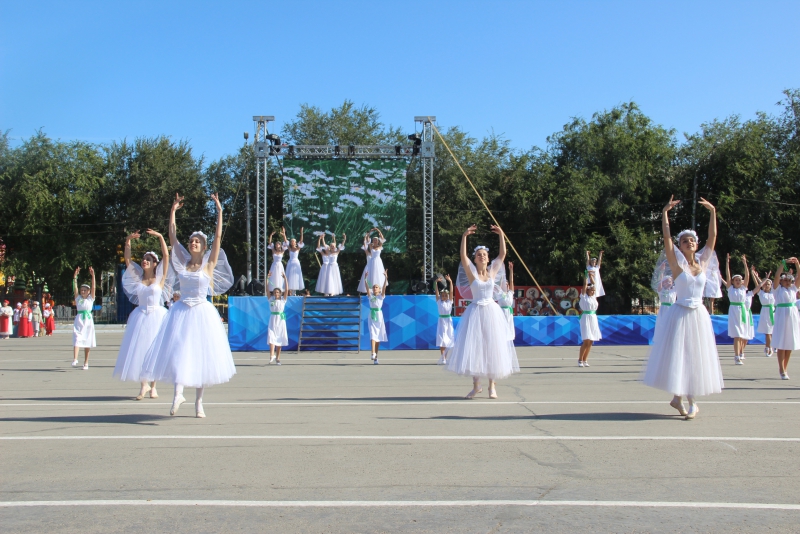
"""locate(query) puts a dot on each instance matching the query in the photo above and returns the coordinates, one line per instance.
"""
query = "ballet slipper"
(492, 392)
(692, 413)
(176, 404)
(474, 392)
(153, 393)
(199, 413)
(678, 405)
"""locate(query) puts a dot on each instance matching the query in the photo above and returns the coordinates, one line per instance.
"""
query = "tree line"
(597, 184)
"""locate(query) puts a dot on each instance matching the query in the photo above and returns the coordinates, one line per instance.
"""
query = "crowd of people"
(26, 319)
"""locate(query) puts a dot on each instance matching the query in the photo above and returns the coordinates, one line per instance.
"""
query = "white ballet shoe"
(444, 361)
(474, 392)
(678, 405)
(693, 411)
(492, 392)
(198, 409)
(74, 363)
(580, 363)
(153, 393)
(142, 393)
(373, 357)
(375, 362)
(737, 360)
(784, 376)
(176, 404)
(586, 364)
(271, 359)
(85, 366)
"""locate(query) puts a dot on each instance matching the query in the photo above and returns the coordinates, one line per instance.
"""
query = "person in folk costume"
(738, 315)
(590, 326)
(49, 319)
(83, 336)
(333, 276)
(25, 328)
(294, 271)
(146, 287)
(593, 266)
(372, 248)
(15, 320)
(786, 332)
(377, 328)
(276, 271)
(6, 315)
(191, 347)
(766, 320)
(322, 277)
(505, 299)
(277, 335)
(482, 346)
(36, 318)
(445, 335)
(685, 361)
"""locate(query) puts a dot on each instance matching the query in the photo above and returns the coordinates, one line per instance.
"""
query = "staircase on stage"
(330, 324)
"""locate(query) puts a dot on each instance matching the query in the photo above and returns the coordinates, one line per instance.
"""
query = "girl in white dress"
(277, 336)
(191, 348)
(83, 328)
(372, 248)
(482, 347)
(146, 288)
(322, 278)
(377, 328)
(738, 316)
(786, 332)
(593, 266)
(444, 326)
(294, 272)
(766, 319)
(506, 301)
(590, 327)
(333, 277)
(684, 361)
(276, 271)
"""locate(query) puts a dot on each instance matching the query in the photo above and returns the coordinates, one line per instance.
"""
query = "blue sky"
(104, 71)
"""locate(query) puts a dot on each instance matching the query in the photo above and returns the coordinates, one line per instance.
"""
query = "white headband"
(687, 232)
(737, 276)
(152, 254)
(787, 276)
(87, 286)
(200, 234)
(480, 247)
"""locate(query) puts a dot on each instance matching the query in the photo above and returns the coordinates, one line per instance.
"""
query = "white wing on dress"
(131, 279)
(223, 274)
(708, 259)
(166, 291)
(496, 270)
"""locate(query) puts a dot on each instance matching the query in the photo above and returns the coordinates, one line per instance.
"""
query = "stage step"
(330, 324)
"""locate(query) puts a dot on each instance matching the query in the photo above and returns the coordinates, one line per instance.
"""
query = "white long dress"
(737, 314)
(377, 328)
(685, 361)
(83, 326)
(276, 333)
(294, 272)
(276, 271)
(598, 282)
(482, 347)
(444, 326)
(322, 278)
(374, 268)
(506, 303)
(333, 277)
(786, 332)
(191, 347)
(590, 326)
(144, 322)
(766, 319)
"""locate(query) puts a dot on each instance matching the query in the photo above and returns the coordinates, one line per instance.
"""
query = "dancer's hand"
(77, 270)
(496, 229)
(671, 204)
(511, 266)
(215, 198)
(794, 260)
(471, 230)
(91, 270)
(177, 203)
(447, 277)
(728, 256)
(133, 235)
(708, 205)
(153, 232)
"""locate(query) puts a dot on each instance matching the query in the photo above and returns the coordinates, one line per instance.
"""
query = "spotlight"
(291, 151)
(246, 136)
(417, 138)
(273, 138)
(397, 149)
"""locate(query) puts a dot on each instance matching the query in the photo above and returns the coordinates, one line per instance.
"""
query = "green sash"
(444, 316)
(590, 312)
(744, 311)
(86, 314)
(509, 308)
(373, 313)
(666, 304)
(281, 314)
(771, 312)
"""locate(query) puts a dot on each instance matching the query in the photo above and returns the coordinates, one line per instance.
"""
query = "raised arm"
(511, 276)
(588, 258)
(499, 231)
(285, 292)
(366, 283)
(215, 246)
(385, 281)
(585, 283)
(91, 272)
(271, 245)
(173, 229)
(756, 280)
(450, 283)
(436, 289)
(301, 236)
(712, 224)
(727, 278)
(669, 249)
(75, 291)
(466, 263)
(600, 259)
(344, 240)
(134, 235)
(746, 273)
(164, 256)
(380, 234)
(778, 273)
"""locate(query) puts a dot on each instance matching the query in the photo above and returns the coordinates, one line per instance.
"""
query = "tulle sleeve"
(382, 240)
(663, 270)
(166, 292)
(285, 245)
(462, 282)
(223, 274)
(131, 279)
(340, 247)
(497, 271)
(300, 245)
(271, 246)
(710, 263)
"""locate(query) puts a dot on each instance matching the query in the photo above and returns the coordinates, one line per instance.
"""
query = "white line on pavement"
(404, 438)
(374, 403)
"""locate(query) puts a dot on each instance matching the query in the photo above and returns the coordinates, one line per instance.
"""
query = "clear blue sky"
(103, 71)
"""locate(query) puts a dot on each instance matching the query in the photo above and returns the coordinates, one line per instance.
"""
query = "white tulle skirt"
(786, 332)
(276, 273)
(765, 326)
(322, 279)
(140, 332)
(683, 359)
(590, 327)
(294, 275)
(482, 347)
(445, 336)
(375, 269)
(191, 348)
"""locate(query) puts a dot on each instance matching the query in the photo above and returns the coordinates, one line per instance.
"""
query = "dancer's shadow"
(125, 419)
(594, 416)
(106, 398)
(367, 399)
(54, 370)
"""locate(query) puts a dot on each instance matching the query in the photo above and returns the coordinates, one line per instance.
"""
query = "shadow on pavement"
(595, 416)
(126, 419)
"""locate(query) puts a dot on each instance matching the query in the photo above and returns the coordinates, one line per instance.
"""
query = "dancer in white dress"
(505, 299)
(738, 314)
(685, 361)
(322, 278)
(191, 348)
(590, 327)
(146, 288)
(593, 266)
(333, 276)
(377, 328)
(444, 326)
(83, 327)
(294, 271)
(372, 248)
(277, 335)
(786, 332)
(766, 319)
(276, 270)
(482, 347)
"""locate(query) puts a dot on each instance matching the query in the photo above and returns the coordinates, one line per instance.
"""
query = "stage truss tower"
(427, 155)
(261, 146)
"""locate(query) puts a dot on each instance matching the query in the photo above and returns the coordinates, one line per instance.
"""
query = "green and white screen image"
(346, 197)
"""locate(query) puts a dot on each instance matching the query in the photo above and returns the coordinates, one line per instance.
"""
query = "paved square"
(331, 443)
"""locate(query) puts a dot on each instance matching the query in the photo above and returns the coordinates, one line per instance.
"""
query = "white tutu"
(375, 269)
(83, 326)
(598, 282)
(445, 336)
(276, 332)
(294, 272)
(377, 328)
(334, 277)
(766, 319)
(786, 332)
(140, 332)
(737, 315)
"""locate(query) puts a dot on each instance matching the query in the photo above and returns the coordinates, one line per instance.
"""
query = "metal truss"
(342, 152)
(427, 155)
(262, 181)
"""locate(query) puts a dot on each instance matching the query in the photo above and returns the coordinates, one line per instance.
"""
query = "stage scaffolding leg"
(262, 180)
(427, 156)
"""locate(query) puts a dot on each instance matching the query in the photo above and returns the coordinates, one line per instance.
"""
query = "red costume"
(5, 319)
(49, 320)
(25, 328)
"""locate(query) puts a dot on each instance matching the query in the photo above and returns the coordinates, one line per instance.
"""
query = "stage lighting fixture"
(397, 149)
(273, 138)
(337, 151)
(246, 136)
(417, 138)
(291, 151)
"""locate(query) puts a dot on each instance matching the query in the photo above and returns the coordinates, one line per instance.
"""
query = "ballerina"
(322, 278)
(333, 276)
(444, 326)
(83, 336)
(191, 347)
(786, 332)
(738, 325)
(294, 271)
(276, 271)
(766, 320)
(372, 248)
(593, 266)
(685, 362)
(277, 336)
(377, 328)
(482, 347)
(145, 287)
(506, 301)
(590, 327)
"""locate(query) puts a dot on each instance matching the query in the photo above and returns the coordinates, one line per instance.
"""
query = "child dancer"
(6, 313)
(444, 326)
(373, 251)
(590, 327)
(191, 348)
(322, 278)
(766, 320)
(506, 302)
(786, 332)
(146, 288)
(685, 360)
(277, 335)
(738, 326)
(482, 347)
(294, 272)
(83, 327)
(333, 280)
(377, 329)
(276, 271)
(593, 266)
(49, 320)
(25, 328)
(15, 320)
